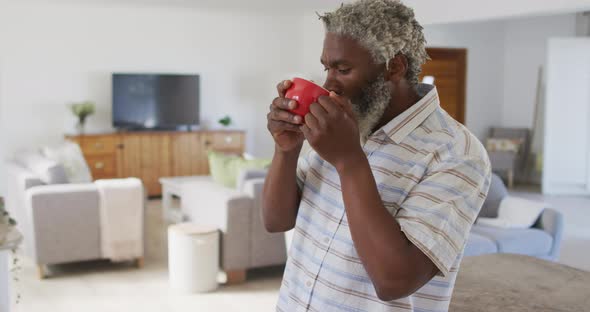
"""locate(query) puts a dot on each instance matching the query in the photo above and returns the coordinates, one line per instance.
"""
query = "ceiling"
(427, 11)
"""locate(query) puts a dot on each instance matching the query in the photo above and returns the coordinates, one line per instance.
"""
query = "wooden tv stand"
(151, 155)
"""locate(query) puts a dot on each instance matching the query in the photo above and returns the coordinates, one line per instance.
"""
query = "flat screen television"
(155, 101)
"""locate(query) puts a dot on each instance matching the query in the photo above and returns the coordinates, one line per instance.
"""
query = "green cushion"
(225, 168)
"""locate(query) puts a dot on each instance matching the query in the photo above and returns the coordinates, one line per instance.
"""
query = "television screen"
(155, 101)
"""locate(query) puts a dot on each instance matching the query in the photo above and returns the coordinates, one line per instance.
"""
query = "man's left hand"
(332, 130)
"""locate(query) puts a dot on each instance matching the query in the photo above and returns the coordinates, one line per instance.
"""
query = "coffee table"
(171, 188)
(507, 282)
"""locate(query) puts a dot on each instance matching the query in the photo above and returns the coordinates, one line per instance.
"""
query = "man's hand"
(282, 124)
(332, 131)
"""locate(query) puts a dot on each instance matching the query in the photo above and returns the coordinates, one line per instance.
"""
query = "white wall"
(485, 46)
(56, 55)
(525, 52)
(2, 128)
(452, 11)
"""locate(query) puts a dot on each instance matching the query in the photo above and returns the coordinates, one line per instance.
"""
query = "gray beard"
(370, 106)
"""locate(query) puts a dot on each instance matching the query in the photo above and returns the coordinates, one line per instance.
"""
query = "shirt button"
(327, 240)
(308, 283)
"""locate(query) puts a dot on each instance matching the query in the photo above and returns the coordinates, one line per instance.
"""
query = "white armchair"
(60, 222)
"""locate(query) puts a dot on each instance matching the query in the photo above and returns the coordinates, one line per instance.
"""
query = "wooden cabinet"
(188, 154)
(99, 152)
(152, 155)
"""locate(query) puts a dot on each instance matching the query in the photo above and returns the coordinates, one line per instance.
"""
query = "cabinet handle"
(207, 143)
(98, 145)
(120, 146)
(99, 165)
(228, 139)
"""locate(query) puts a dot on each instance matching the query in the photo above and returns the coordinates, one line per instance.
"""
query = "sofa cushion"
(70, 156)
(495, 195)
(479, 245)
(47, 170)
(532, 242)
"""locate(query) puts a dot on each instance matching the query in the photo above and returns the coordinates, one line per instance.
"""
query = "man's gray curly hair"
(385, 28)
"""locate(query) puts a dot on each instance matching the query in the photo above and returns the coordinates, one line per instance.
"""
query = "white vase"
(80, 128)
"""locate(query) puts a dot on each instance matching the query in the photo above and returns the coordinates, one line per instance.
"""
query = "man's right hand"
(282, 124)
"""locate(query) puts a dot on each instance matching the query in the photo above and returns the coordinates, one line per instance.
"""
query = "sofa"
(60, 220)
(542, 240)
(245, 243)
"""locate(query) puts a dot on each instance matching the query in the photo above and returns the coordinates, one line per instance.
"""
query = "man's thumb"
(343, 102)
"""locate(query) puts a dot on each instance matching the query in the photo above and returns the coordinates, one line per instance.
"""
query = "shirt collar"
(399, 127)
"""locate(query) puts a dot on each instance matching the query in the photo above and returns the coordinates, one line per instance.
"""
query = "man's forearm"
(280, 194)
(385, 251)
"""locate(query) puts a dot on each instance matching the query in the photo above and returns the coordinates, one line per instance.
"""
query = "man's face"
(351, 72)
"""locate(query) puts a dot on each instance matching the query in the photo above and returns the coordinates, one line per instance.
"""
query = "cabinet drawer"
(225, 141)
(102, 167)
(99, 145)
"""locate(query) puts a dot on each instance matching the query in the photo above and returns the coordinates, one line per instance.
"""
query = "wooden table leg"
(510, 178)
(235, 277)
(41, 271)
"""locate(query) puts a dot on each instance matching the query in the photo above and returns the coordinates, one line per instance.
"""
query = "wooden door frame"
(459, 54)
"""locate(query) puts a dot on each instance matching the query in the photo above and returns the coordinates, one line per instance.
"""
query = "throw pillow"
(225, 168)
(496, 193)
(221, 167)
(514, 212)
(70, 156)
(47, 170)
(503, 145)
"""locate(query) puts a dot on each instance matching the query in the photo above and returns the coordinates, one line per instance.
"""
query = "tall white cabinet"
(566, 163)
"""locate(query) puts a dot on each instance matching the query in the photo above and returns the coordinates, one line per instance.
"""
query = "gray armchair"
(506, 162)
(245, 243)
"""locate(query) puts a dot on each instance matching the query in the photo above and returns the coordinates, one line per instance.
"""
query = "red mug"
(304, 92)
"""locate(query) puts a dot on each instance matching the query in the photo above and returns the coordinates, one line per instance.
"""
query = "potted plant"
(225, 121)
(6, 222)
(10, 238)
(82, 110)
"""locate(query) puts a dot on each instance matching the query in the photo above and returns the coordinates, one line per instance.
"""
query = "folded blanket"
(121, 218)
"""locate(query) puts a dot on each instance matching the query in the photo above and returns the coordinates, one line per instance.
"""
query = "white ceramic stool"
(193, 257)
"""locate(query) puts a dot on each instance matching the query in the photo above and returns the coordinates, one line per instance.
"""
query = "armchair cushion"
(503, 145)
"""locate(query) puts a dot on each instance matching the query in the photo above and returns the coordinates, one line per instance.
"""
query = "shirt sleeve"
(303, 164)
(438, 212)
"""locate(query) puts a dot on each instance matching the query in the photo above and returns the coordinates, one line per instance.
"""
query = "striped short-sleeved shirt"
(432, 175)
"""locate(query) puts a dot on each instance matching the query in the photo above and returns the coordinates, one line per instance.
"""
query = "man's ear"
(397, 67)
